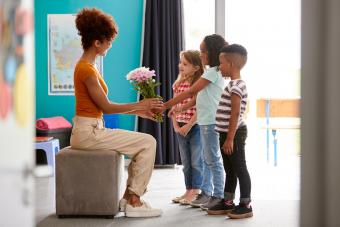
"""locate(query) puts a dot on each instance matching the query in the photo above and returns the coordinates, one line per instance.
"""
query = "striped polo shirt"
(223, 113)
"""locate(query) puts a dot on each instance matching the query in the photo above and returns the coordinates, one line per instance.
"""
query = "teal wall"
(121, 58)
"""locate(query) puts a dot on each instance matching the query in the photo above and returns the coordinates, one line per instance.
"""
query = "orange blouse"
(85, 107)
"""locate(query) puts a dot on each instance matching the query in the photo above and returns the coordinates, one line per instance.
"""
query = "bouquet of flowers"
(142, 81)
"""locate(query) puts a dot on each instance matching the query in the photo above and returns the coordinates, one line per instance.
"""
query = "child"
(208, 89)
(188, 133)
(233, 133)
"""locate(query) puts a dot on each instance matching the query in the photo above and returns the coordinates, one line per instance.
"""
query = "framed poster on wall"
(64, 50)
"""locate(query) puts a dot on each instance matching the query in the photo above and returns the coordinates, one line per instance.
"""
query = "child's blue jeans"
(191, 152)
(213, 171)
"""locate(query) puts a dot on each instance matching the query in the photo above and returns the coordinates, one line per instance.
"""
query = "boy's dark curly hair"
(213, 44)
(235, 49)
(238, 50)
(93, 24)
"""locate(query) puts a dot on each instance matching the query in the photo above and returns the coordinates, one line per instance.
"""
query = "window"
(270, 31)
(199, 21)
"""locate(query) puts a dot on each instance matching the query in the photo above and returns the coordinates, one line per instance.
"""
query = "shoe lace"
(199, 196)
(228, 202)
(146, 204)
(214, 199)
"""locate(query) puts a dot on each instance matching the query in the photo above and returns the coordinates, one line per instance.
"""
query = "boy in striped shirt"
(233, 133)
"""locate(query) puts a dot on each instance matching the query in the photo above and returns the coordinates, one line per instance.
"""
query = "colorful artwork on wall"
(5, 100)
(16, 83)
(22, 94)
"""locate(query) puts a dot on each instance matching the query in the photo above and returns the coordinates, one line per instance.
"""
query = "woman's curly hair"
(93, 24)
(213, 44)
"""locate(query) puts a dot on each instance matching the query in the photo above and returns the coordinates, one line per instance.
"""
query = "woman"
(97, 31)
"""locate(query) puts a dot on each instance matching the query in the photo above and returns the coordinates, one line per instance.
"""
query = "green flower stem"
(147, 90)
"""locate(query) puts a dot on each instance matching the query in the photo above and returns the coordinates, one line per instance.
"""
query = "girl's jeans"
(190, 149)
(213, 171)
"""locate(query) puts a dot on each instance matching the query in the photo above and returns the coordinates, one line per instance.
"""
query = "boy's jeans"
(235, 166)
(191, 152)
(213, 171)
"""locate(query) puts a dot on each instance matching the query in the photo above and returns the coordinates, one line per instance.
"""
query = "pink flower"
(144, 84)
(140, 74)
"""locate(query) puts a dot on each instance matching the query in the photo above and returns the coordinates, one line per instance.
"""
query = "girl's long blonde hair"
(193, 57)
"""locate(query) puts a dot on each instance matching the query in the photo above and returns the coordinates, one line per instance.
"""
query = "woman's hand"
(148, 114)
(151, 103)
(158, 110)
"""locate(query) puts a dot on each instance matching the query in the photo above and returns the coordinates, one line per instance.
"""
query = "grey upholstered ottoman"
(88, 182)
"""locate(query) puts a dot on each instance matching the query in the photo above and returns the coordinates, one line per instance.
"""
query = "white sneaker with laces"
(142, 212)
(122, 205)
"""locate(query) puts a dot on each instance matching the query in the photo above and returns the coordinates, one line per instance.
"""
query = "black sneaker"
(221, 208)
(212, 202)
(241, 211)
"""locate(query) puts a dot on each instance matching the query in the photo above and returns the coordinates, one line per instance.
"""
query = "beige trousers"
(90, 134)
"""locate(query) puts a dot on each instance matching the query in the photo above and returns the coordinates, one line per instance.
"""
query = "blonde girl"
(186, 128)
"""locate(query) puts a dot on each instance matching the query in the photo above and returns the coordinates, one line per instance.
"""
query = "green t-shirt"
(207, 99)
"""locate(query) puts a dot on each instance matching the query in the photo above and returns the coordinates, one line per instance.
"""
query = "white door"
(16, 113)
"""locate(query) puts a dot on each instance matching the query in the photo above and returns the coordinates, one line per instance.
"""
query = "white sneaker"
(141, 212)
(122, 204)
